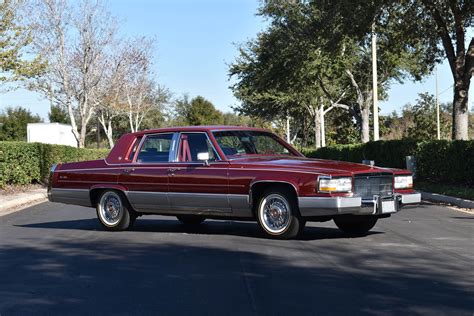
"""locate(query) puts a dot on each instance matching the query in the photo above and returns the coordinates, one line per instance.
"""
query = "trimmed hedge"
(24, 163)
(437, 160)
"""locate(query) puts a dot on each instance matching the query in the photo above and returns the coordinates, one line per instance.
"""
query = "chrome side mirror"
(204, 157)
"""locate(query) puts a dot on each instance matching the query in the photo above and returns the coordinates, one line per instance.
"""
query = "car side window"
(156, 148)
(193, 143)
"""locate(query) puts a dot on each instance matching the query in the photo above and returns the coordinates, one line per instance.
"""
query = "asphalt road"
(55, 259)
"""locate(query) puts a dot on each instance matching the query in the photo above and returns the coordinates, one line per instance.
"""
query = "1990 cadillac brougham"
(224, 172)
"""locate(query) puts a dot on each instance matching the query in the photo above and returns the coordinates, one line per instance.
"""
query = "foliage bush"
(24, 163)
(437, 160)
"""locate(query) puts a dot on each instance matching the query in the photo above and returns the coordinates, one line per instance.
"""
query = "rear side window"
(156, 148)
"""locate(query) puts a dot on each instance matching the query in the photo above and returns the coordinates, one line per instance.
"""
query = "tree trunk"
(365, 123)
(82, 138)
(107, 127)
(98, 133)
(461, 111)
(323, 127)
(110, 134)
(317, 130)
(288, 136)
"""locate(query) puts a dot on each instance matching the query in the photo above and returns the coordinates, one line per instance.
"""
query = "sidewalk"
(15, 202)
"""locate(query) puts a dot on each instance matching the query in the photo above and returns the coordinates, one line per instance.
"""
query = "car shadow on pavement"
(210, 227)
(463, 217)
(110, 274)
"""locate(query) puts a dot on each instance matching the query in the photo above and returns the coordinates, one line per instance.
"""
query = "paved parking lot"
(55, 259)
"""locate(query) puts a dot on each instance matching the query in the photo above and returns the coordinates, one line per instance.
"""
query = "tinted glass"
(156, 148)
(193, 143)
(237, 143)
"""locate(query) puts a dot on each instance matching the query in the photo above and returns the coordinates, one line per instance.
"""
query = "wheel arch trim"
(253, 183)
(102, 187)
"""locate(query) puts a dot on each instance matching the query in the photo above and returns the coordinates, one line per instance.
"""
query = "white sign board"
(51, 133)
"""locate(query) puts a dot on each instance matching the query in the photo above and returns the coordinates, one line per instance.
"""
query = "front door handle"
(128, 170)
(171, 171)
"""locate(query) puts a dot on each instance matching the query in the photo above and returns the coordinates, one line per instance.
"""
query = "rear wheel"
(278, 214)
(355, 225)
(113, 211)
(190, 219)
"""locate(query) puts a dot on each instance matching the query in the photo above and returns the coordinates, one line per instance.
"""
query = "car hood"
(321, 166)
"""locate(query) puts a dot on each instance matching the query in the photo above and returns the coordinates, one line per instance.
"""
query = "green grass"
(460, 191)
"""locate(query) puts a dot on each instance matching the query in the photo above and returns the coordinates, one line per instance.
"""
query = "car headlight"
(335, 184)
(403, 182)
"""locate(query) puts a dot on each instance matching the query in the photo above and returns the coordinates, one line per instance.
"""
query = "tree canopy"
(14, 121)
(14, 40)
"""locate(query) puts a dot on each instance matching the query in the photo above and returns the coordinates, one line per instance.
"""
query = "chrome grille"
(368, 185)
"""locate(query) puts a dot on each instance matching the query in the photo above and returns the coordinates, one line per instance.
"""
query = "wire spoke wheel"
(275, 213)
(111, 210)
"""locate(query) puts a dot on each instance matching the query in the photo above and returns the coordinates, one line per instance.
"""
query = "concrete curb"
(435, 197)
(22, 201)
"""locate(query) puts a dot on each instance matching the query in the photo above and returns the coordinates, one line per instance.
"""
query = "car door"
(196, 186)
(146, 177)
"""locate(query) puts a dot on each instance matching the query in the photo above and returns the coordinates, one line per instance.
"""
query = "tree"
(14, 39)
(198, 111)
(419, 120)
(278, 78)
(13, 123)
(303, 61)
(142, 93)
(76, 41)
(58, 114)
(437, 28)
(451, 19)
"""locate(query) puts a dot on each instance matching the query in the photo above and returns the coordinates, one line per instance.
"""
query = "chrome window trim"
(142, 142)
(275, 137)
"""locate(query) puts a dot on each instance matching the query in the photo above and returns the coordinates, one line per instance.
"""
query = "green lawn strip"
(460, 191)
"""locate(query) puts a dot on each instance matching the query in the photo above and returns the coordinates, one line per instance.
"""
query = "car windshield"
(239, 143)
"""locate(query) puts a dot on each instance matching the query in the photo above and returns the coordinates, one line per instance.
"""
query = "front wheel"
(113, 211)
(278, 214)
(355, 225)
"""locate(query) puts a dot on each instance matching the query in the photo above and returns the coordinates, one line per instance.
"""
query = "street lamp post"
(374, 84)
(438, 129)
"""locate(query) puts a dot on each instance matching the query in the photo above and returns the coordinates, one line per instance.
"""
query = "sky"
(197, 40)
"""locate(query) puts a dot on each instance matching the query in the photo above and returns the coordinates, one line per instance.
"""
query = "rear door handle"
(129, 170)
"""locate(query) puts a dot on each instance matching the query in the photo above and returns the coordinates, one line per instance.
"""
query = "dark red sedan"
(224, 172)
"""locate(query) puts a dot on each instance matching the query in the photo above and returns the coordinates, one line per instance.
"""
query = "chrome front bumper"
(327, 206)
